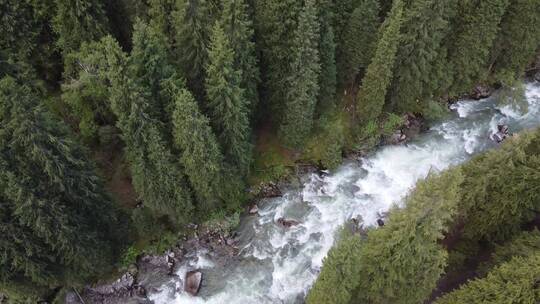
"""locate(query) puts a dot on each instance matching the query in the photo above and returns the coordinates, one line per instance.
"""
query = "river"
(278, 265)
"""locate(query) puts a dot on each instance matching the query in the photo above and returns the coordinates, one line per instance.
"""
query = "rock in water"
(193, 282)
(287, 223)
(253, 209)
(481, 92)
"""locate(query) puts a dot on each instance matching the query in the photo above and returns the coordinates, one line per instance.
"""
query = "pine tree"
(58, 225)
(191, 21)
(238, 27)
(157, 177)
(78, 21)
(415, 78)
(200, 153)
(372, 93)
(359, 40)
(228, 106)
(161, 19)
(514, 282)
(477, 27)
(517, 41)
(303, 82)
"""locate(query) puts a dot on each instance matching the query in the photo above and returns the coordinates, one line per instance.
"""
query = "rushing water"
(278, 265)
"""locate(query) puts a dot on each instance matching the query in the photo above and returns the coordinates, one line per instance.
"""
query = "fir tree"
(191, 21)
(327, 54)
(372, 93)
(477, 27)
(514, 282)
(78, 21)
(517, 41)
(200, 153)
(303, 81)
(415, 78)
(359, 39)
(58, 224)
(238, 27)
(228, 106)
(157, 176)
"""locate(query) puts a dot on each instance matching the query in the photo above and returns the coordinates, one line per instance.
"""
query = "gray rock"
(481, 92)
(192, 283)
(253, 209)
(537, 76)
(287, 223)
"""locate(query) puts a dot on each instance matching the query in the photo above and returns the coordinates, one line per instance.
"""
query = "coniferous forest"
(123, 121)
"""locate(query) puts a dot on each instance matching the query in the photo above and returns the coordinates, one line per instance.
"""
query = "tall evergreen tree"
(372, 93)
(327, 54)
(157, 176)
(514, 282)
(57, 222)
(477, 27)
(238, 27)
(191, 21)
(415, 78)
(227, 103)
(276, 23)
(303, 81)
(359, 39)
(518, 40)
(200, 153)
(78, 21)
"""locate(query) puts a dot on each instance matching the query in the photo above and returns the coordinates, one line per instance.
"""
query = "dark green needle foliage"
(227, 102)
(303, 82)
(58, 225)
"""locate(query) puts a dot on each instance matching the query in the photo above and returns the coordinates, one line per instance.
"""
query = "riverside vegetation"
(123, 121)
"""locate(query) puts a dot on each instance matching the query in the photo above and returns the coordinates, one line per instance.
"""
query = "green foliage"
(156, 174)
(327, 144)
(416, 80)
(303, 81)
(88, 93)
(227, 103)
(191, 22)
(327, 54)
(372, 93)
(78, 21)
(339, 276)
(475, 33)
(238, 27)
(200, 153)
(514, 282)
(359, 40)
(501, 190)
(58, 224)
(518, 39)
(523, 245)
(402, 261)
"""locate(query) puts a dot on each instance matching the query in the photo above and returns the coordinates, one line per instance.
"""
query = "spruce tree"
(327, 54)
(517, 41)
(78, 21)
(192, 22)
(227, 103)
(372, 93)
(58, 225)
(303, 81)
(514, 282)
(238, 27)
(476, 30)
(157, 176)
(415, 78)
(200, 153)
(359, 40)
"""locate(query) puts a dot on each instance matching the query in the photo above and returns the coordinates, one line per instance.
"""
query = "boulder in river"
(193, 281)
(501, 134)
(481, 92)
(537, 76)
(253, 209)
(287, 223)
(397, 138)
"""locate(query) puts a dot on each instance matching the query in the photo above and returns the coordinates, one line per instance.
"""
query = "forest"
(123, 121)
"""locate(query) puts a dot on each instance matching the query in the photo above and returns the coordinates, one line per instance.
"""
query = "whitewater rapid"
(278, 265)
